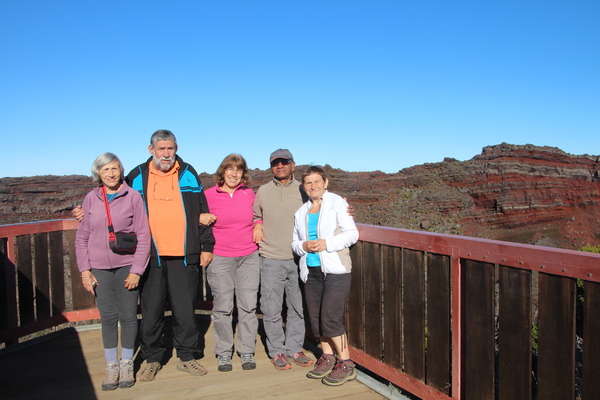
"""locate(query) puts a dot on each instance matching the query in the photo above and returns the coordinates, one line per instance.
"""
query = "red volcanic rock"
(527, 194)
(39, 198)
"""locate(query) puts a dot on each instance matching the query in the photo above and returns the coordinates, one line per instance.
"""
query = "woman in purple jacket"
(235, 268)
(113, 278)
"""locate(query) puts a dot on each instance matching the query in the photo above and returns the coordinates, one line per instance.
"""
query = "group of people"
(248, 242)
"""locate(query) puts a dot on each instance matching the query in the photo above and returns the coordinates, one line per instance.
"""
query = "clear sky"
(359, 85)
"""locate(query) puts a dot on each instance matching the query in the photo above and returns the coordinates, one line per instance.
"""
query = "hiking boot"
(224, 363)
(302, 360)
(112, 376)
(248, 361)
(192, 367)
(324, 365)
(342, 372)
(126, 374)
(149, 371)
(281, 362)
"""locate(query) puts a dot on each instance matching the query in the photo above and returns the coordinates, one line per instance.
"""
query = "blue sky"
(359, 85)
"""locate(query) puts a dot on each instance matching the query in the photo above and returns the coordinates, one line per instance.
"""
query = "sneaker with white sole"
(224, 363)
(248, 361)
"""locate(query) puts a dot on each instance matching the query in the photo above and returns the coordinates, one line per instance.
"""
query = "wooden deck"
(70, 365)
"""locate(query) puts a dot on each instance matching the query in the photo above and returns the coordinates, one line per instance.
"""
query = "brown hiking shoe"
(324, 365)
(149, 371)
(192, 367)
(342, 372)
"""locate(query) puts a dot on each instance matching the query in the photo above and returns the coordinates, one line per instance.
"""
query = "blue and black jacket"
(197, 238)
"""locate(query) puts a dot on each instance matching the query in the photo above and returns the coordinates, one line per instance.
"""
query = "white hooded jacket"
(335, 226)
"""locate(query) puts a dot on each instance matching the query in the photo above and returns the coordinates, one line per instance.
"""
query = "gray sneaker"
(248, 361)
(224, 363)
(302, 360)
(126, 374)
(112, 376)
(281, 362)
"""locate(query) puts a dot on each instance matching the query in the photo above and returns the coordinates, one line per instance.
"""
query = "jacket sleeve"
(349, 233)
(207, 239)
(256, 208)
(82, 238)
(142, 230)
(298, 237)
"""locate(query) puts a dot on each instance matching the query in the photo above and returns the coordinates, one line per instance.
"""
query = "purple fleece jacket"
(128, 215)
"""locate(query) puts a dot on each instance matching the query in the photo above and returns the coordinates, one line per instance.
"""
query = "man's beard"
(163, 167)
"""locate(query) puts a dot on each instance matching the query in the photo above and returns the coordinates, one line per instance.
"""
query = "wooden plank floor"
(71, 366)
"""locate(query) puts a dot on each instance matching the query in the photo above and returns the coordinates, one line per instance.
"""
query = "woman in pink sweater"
(235, 268)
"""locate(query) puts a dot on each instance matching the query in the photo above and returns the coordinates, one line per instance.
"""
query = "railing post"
(456, 267)
(11, 284)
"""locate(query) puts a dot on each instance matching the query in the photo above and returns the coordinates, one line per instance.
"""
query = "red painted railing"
(441, 316)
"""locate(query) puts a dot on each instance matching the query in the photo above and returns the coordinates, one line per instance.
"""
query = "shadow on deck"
(70, 365)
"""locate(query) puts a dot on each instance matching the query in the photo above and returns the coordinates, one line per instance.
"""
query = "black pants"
(180, 283)
(325, 298)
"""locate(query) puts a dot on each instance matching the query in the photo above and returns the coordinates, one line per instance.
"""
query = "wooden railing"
(446, 316)
(40, 286)
(441, 316)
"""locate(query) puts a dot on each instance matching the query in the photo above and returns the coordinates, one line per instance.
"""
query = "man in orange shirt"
(174, 200)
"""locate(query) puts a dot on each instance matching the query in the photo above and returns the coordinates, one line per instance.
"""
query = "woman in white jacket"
(323, 232)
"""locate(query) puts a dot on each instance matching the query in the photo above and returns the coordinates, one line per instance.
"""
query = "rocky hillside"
(526, 194)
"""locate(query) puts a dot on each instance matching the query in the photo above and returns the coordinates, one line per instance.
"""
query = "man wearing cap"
(275, 204)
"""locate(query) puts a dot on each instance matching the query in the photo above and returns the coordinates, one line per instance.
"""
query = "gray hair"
(162, 134)
(100, 162)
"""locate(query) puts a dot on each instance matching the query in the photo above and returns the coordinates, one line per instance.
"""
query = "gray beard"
(161, 167)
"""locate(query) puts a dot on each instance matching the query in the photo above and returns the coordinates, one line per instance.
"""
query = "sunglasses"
(282, 161)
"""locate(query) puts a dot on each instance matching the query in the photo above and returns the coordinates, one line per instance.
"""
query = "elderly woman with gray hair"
(113, 277)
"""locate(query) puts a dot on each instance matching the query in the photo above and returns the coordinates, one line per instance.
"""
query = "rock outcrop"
(527, 194)
(38, 198)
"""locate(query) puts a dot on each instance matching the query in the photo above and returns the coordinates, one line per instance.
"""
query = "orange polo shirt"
(165, 211)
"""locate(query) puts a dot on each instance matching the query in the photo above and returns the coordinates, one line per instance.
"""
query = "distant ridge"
(522, 193)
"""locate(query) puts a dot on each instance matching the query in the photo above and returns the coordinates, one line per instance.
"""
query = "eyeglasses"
(282, 161)
(163, 198)
(232, 170)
